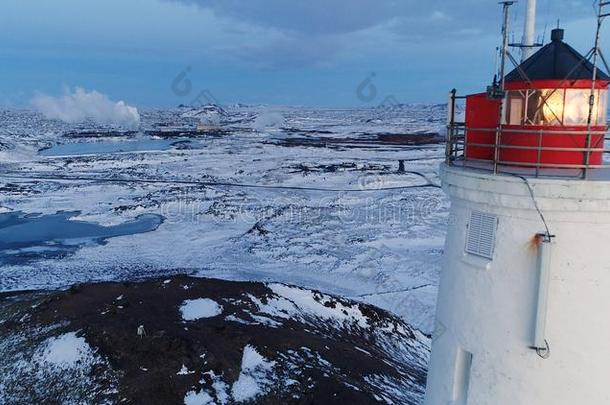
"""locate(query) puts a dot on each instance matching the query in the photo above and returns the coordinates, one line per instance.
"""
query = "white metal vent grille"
(481, 237)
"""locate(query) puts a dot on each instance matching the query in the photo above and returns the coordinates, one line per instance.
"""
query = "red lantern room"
(545, 115)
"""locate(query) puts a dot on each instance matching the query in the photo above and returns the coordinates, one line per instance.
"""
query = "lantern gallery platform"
(599, 174)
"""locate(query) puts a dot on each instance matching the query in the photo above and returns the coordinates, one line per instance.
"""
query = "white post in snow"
(529, 31)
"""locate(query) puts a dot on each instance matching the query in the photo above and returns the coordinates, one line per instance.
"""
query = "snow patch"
(184, 371)
(198, 398)
(66, 350)
(199, 308)
(233, 318)
(252, 380)
(221, 389)
(295, 302)
(45, 363)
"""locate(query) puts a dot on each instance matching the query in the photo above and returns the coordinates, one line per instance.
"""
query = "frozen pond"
(26, 237)
(94, 148)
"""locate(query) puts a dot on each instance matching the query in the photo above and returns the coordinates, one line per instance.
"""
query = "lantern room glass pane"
(514, 108)
(516, 111)
(552, 106)
(577, 107)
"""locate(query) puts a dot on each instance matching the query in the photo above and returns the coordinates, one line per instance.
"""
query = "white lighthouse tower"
(523, 313)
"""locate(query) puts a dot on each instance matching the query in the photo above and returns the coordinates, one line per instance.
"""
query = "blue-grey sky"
(296, 52)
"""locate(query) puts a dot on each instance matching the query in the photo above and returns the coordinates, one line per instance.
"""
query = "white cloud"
(439, 16)
(323, 33)
(81, 105)
(323, 17)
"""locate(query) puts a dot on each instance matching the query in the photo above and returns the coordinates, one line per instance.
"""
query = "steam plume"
(80, 105)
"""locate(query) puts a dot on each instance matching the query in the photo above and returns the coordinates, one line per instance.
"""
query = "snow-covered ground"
(339, 221)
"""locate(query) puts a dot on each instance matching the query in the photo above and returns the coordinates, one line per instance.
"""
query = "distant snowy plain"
(339, 224)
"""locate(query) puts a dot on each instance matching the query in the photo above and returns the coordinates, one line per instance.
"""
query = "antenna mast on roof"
(529, 31)
(528, 42)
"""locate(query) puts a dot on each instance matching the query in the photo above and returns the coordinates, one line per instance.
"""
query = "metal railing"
(456, 151)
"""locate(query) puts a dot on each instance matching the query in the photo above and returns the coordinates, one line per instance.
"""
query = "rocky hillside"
(203, 341)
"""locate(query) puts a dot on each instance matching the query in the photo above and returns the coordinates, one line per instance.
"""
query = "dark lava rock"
(204, 341)
(422, 139)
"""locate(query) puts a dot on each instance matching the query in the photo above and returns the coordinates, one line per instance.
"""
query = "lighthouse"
(523, 309)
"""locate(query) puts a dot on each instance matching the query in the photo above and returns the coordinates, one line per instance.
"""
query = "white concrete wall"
(488, 307)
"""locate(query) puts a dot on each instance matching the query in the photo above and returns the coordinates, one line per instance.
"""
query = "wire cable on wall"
(531, 192)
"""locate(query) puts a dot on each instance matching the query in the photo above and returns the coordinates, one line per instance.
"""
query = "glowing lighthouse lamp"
(545, 113)
(523, 313)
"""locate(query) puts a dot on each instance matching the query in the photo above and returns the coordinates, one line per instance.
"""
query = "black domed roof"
(556, 61)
